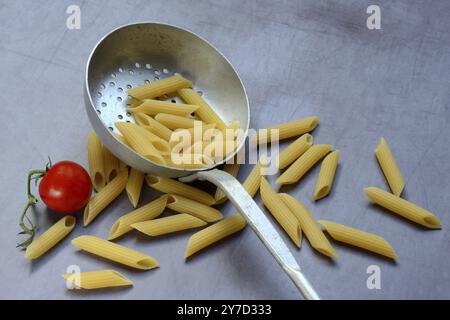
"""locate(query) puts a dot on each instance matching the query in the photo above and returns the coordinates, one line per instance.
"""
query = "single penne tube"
(204, 112)
(115, 252)
(280, 212)
(153, 107)
(112, 165)
(150, 211)
(214, 233)
(303, 164)
(288, 129)
(153, 126)
(294, 150)
(175, 122)
(134, 186)
(402, 207)
(160, 87)
(97, 279)
(233, 169)
(51, 237)
(389, 167)
(359, 238)
(309, 226)
(172, 186)
(170, 224)
(96, 161)
(102, 199)
(253, 180)
(137, 139)
(326, 175)
(197, 209)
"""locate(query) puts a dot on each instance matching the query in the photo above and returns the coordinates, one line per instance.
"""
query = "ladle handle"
(260, 224)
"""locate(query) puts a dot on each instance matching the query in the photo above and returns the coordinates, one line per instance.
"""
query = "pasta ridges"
(359, 238)
(304, 163)
(195, 208)
(280, 212)
(160, 87)
(96, 161)
(389, 167)
(178, 222)
(326, 175)
(289, 129)
(403, 207)
(134, 186)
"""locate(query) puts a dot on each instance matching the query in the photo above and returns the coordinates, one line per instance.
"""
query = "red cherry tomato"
(66, 187)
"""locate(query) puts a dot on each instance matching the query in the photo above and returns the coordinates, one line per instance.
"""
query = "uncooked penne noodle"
(174, 122)
(233, 169)
(359, 238)
(326, 175)
(204, 112)
(172, 186)
(153, 107)
(136, 138)
(289, 129)
(160, 87)
(197, 209)
(253, 181)
(96, 161)
(97, 279)
(134, 186)
(50, 237)
(150, 211)
(294, 150)
(112, 165)
(153, 126)
(170, 224)
(280, 212)
(102, 199)
(115, 252)
(303, 164)
(390, 168)
(308, 225)
(403, 208)
(214, 233)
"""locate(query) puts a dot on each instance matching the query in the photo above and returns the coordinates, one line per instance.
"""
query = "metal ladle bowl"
(140, 53)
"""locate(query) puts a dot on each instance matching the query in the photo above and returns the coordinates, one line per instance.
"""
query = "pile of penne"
(193, 207)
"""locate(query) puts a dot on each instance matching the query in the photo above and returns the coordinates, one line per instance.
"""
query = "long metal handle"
(260, 224)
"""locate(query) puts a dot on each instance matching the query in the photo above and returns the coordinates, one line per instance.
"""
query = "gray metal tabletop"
(296, 58)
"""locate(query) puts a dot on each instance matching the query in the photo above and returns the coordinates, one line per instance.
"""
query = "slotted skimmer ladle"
(135, 54)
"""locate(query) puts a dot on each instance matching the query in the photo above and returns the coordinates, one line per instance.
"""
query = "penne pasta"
(112, 165)
(150, 211)
(96, 161)
(288, 129)
(102, 199)
(233, 169)
(153, 126)
(389, 167)
(172, 186)
(160, 87)
(303, 164)
(97, 279)
(199, 210)
(51, 237)
(175, 122)
(404, 208)
(138, 140)
(178, 222)
(308, 225)
(214, 233)
(252, 183)
(153, 107)
(280, 212)
(115, 252)
(134, 186)
(359, 238)
(294, 150)
(326, 175)
(204, 112)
